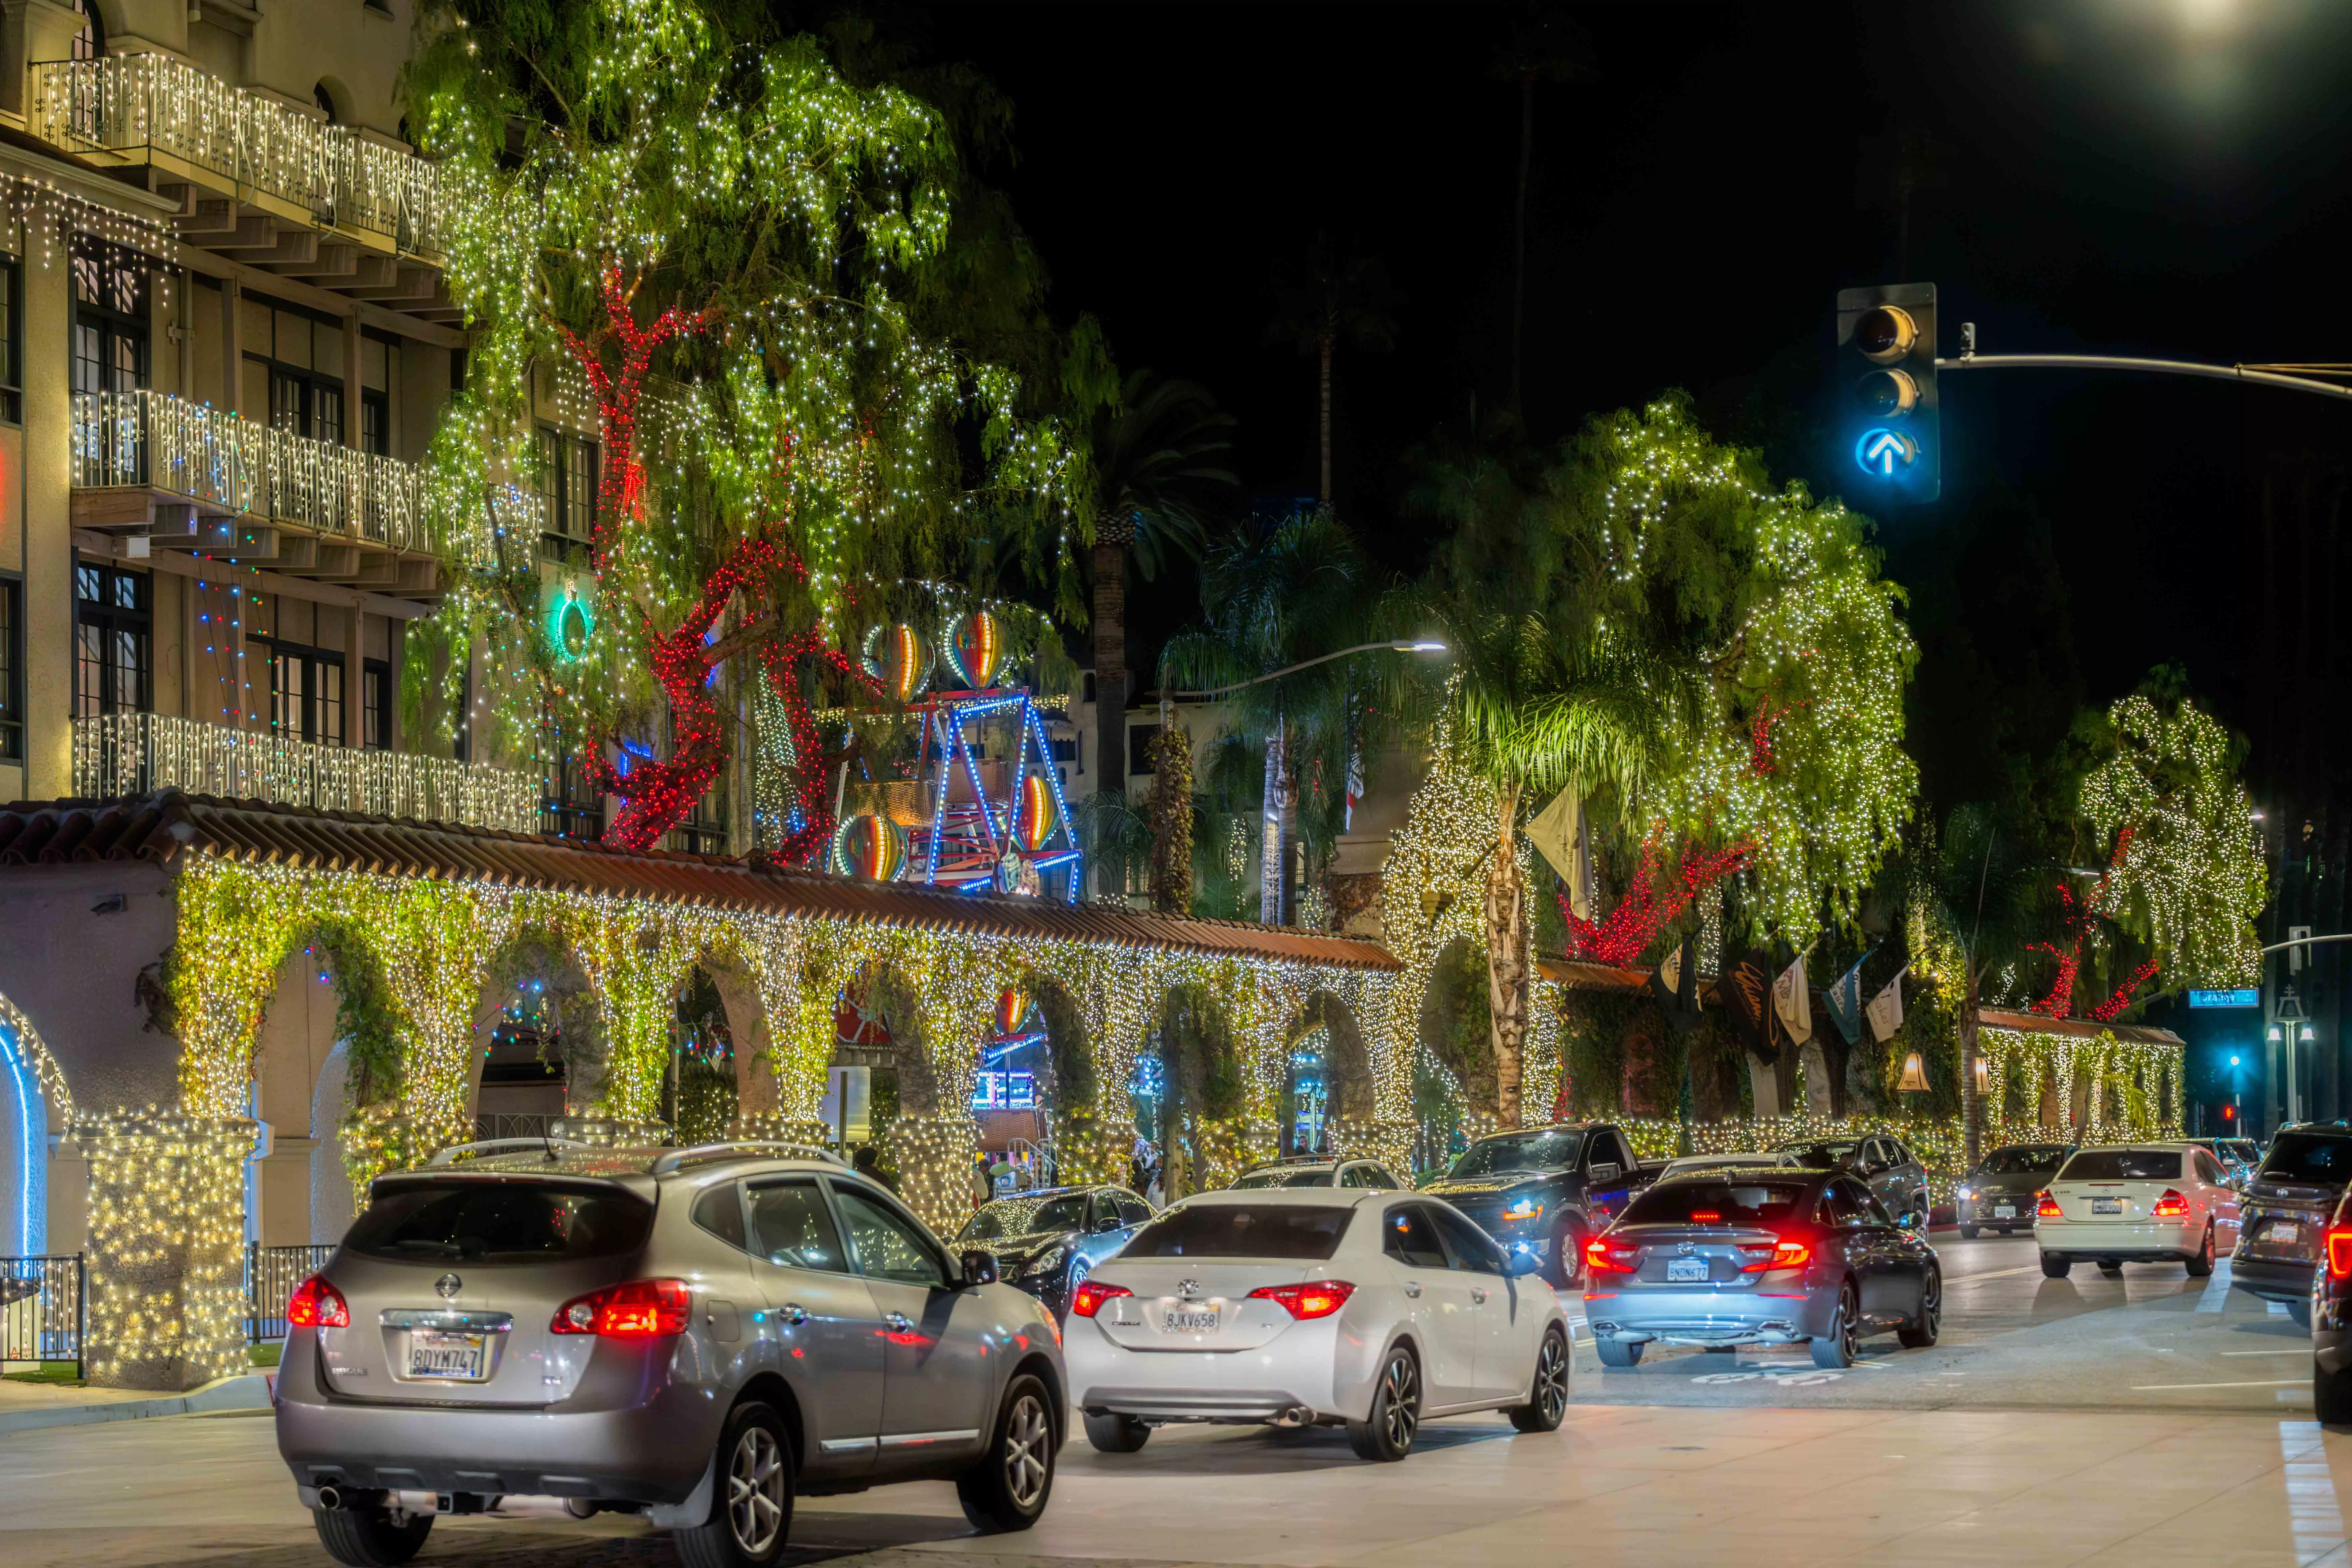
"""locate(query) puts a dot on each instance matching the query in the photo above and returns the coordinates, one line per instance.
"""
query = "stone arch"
(1206, 1068)
(734, 974)
(333, 1203)
(303, 1022)
(33, 1104)
(1455, 1038)
(1092, 1125)
(1349, 1061)
(536, 1005)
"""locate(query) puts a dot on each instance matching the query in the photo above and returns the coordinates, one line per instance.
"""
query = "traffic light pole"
(2251, 375)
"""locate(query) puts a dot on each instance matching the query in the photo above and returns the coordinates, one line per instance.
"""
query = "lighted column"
(166, 1254)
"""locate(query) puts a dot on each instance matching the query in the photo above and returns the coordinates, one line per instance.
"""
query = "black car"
(1048, 1241)
(1546, 1190)
(2285, 1211)
(1999, 1193)
(2331, 1318)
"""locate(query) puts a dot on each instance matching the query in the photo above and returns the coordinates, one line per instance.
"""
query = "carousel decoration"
(898, 660)
(871, 847)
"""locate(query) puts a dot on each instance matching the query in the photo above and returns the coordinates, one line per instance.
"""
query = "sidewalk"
(30, 1406)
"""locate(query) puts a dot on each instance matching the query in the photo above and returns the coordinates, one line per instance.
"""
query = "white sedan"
(1315, 1306)
(2136, 1202)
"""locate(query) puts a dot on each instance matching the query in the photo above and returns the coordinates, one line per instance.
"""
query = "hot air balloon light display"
(975, 649)
(871, 847)
(899, 659)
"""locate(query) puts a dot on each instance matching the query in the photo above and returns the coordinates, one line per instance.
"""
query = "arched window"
(326, 102)
(88, 44)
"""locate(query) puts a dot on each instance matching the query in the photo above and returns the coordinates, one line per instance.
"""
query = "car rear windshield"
(1518, 1152)
(500, 1221)
(1026, 1216)
(1313, 1176)
(2322, 1158)
(2023, 1162)
(1289, 1232)
(2123, 1165)
(1720, 1202)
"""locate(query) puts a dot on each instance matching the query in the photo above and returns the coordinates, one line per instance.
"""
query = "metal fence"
(44, 1307)
(271, 1273)
(154, 104)
(515, 1124)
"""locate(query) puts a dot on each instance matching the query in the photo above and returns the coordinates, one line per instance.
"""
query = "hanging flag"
(1792, 999)
(1558, 833)
(1674, 983)
(1845, 999)
(1746, 990)
(1886, 1008)
(1355, 793)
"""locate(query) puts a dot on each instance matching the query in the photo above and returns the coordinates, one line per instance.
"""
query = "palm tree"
(1321, 302)
(1161, 465)
(1544, 46)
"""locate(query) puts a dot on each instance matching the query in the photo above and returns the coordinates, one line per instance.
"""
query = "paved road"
(2082, 1421)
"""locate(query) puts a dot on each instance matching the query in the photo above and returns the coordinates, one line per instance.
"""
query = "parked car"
(1319, 1171)
(2000, 1193)
(1684, 1164)
(2136, 1202)
(1315, 1306)
(695, 1335)
(2244, 1150)
(2330, 1303)
(2285, 1209)
(1773, 1257)
(1047, 1242)
(1893, 1174)
(1544, 1191)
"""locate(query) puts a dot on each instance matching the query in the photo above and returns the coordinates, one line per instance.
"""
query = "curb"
(250, 1390)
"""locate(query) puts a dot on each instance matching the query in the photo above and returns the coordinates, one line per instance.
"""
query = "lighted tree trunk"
(1506, 958)
(1972, 1102)
(1171, 818)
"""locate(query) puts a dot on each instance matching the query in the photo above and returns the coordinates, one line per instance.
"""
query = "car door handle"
(898, 1320)
(794, 1314)
(1477, 1296)
(1413, 1289)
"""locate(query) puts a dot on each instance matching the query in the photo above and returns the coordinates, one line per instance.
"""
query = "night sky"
(2161, 177)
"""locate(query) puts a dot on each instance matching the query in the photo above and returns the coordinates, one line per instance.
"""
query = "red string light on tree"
(621, 487)
(1648, 904)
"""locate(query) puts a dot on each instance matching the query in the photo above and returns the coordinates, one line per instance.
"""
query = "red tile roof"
(160, 826)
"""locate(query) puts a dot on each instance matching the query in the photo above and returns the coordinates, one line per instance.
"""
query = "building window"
(301, 403)
(306, 689)
(1139, 747)
(110, 330)
(570, 807)
(375, 422)
(11, 374)
(89, 42)
(114, 634)
(12, 672)
(567, 485)
(376, 699)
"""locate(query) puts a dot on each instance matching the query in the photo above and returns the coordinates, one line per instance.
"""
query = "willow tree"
(815, 343)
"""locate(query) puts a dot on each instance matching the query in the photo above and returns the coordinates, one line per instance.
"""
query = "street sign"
(2246, 998)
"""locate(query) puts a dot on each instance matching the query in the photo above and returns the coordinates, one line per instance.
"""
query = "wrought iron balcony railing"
(138, 108)
(134, 753)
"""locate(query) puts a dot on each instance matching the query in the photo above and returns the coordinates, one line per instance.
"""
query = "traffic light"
(1886, 366)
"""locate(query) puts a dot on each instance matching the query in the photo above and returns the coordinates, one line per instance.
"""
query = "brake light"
(2339, 1254)
(1092, 1295)
(1602, 1258)
(316, 1304)
(1316, 1298)
(640, 1310)
(1706, 1217)
(2047, 1208)
(1785, 1255)
(2172, 1206)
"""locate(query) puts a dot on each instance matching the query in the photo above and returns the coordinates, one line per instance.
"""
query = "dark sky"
(2163, 177)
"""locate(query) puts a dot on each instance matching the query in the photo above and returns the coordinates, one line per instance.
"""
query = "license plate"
(1680, 1270)
(2004, 1211)
(2106, 1206)
(461, 1358)
(1189, 1320)
(2283, 1234)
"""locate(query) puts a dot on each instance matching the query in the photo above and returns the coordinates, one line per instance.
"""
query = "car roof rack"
(449, 1156)
(709, 1153)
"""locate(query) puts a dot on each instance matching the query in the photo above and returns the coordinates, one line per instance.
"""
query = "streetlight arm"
(2308, 941)
(2154, 366)
(1294, 669)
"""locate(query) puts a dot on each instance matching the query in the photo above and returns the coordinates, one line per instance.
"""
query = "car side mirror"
(1109, 1222)
(979, 1266)
(1606, 1171)
(1519, 1262)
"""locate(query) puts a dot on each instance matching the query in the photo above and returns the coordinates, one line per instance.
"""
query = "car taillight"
(1602, 1257)
(1092, 1295)
(640, 1310)
(1317, 1298)
(2046, 1207)
(1785, 1255)
(2339, 1254)
(2173, 1205)
(317, 1305)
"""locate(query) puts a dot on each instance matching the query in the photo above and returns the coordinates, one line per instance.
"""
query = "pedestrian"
(868, 1162)
(981, 1186)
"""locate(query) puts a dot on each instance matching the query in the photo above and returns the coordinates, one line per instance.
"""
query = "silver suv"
(694, 1335)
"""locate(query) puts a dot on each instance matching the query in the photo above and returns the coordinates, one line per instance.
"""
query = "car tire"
(1008, 1489)
(1920, 1332)
(1619, 1354)
(1835, 1350)
(2056, 1265)
(750, 1495)
(1386, 1431)
(1546, 1402)
(1112, 1433)
(1566, 1272)
(1968, 1233)
(2331, 1395)
(366, 1537)
(2201, 1262)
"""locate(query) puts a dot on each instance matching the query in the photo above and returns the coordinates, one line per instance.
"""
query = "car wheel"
(1112, 1433)
(1548, 1394)
(1008, 1488)
(1968, 1233)
(2331, 1394)
(367, 1537)
(2201, 1262)
(1921, 1332)
(1566, 1270)
(1837, 1348)
(2055, 1265)
(1620, 1353)
(750, 1497)
(1386, 1435)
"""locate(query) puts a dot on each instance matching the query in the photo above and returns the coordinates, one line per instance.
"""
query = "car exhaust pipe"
(1296, 1415)
(330, 1498)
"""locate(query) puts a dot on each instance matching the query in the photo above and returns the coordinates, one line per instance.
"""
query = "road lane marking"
(2278, 1308)
(2217, 1288)
(2298, 1349)
(2312, 1512)
(1990, 1274)
(2257, 1383)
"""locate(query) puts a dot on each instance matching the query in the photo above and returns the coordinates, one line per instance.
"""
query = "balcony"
(133, 753)
(257, 178)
